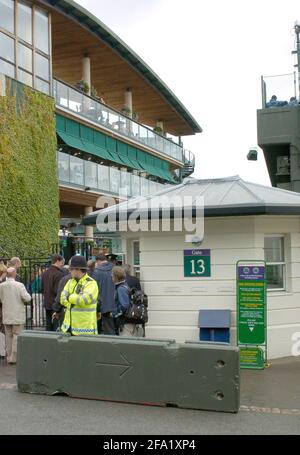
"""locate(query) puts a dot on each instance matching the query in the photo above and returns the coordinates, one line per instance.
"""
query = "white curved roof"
(222, 197)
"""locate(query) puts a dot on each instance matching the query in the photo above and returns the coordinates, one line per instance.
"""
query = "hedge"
(29, 196)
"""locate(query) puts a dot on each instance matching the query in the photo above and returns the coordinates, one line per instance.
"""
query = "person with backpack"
(131, 306)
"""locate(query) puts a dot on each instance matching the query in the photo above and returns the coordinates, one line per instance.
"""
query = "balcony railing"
(89, 108)
(283, 87)
(86, 174)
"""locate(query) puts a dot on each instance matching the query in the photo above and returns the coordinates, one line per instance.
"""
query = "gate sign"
(196, 263)
(251, 295)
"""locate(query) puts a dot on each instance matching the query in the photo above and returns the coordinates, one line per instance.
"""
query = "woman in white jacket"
(13, 296)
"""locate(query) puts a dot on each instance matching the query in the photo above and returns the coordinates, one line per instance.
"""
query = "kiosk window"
(275, 259)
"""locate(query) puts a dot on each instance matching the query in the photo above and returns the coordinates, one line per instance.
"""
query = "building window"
(7, 69)
(32, 57)
(42, 86)
(275, 260)
(25, 77)
(24, 22)
(7, 48)
(25, 58)
(42, 67)
(7, 20)
(41, 28)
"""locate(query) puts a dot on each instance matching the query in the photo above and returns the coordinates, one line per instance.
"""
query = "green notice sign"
(251, 312)
(252, 358)
(251, 289)
(196, 263)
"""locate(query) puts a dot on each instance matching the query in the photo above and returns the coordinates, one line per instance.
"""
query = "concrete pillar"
(160, 124)
(128, 101)
(86, 71)
(89, 230)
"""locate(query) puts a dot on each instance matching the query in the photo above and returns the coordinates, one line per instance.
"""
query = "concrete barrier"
(132, 370)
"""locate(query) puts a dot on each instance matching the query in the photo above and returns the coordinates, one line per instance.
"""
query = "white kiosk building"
(242, 221)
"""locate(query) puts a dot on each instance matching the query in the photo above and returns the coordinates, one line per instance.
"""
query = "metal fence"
(30, 274)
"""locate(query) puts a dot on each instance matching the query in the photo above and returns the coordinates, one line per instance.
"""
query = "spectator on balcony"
(274, 102)
(293, 101)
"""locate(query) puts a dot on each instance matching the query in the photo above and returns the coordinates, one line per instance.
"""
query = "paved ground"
(270, 404)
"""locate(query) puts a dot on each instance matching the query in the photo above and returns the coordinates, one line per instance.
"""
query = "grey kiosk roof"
(229, 196)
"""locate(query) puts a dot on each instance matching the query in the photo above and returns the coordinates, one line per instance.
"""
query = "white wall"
(174, 301)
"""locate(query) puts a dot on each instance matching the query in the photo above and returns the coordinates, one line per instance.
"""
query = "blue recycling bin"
(214, 325)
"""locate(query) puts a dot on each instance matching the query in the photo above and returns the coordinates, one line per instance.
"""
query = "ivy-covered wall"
(29, 197)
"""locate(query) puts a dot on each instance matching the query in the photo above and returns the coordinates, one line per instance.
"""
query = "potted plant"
(158, 130)
(126, 111)
(83, 86)
(94, 92)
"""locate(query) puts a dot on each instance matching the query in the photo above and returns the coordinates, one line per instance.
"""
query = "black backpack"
(137, 312)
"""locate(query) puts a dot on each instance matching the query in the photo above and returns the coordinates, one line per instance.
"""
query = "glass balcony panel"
(135, 185)
(103, 177)
(76, 170)
(143, 137)
(75, 101)
(64, 167)
(61, 94)
(144, 186)
(125, 189)
(7, 47)
(114, 120)
(114, 180)
(160, 143)
(89, 109)
(90, 174)
(134, 132)
(151, 139)
(7, 15)
(24, 22)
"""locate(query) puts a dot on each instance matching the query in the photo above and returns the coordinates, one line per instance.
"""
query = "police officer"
(79, 298)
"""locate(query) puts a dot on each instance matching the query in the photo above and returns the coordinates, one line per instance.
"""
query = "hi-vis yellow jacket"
(80, 300)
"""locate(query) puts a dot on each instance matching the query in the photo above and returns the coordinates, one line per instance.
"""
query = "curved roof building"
(118, 125)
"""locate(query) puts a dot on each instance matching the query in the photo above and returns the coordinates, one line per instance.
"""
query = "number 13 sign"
(196, 263)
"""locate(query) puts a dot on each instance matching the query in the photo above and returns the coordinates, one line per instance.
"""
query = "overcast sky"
(211, 54)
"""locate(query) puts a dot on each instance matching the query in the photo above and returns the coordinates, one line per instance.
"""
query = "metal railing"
(79, 172)
(279, 91)
(89, 108)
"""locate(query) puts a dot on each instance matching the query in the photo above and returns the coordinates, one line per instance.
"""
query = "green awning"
(118, 159)
(72, 141)
(87, 147)
(97, 151)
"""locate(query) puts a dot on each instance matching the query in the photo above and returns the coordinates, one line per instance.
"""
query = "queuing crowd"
(82, 298)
